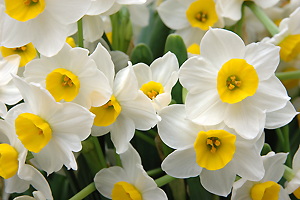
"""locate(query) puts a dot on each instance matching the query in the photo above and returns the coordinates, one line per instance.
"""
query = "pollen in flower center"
(24, 10)
(236, 81)
(152, 89)
(202, 14)
(214, 149)
(67, 81)
(232, 82)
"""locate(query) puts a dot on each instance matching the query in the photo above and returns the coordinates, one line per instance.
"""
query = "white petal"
(163, 67)
(247, 120)
(130, 159)
(271, 95)
(8, 65)
(274, 166)
(205, 108)
(3, 110)
(174, 130)
(232, 9)
(182, 163)
(99, 6)
(293, 184)
(143, 73)
(219, 181)
(130, 1)
(100, 130)
(157, 193)
(242, 192)
(220, 45)
(125, 85)
(122, 131)
(263, 57)
(161, 101)
(139, 15)
(173, 14)
(10, 94)
(280, 117)
(142, 181)
(266, 3)
(93, 28)
(120, 59)
(141, 111)
(105, 179)
(15, 184)
(104, 62)
(296, 161)
(197, 71)
(247, 163)
(76, 9)
(191, 35)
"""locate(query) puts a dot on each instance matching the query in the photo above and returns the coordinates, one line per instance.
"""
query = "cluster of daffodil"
(99, 99)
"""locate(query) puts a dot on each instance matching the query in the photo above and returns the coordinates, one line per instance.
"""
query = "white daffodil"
(190, 18)
(157, 81)
(232, 9)
(129, 182)
(9, 94)
(288, 37)
(18, 175)
(293, 186)
(267, 187)
(216, 153)
(52, 131)
(42, 22)
(236, 84)
(72, 76)
(128, 108)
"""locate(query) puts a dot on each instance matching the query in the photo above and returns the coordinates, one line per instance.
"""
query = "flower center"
(26, 52)
(152, 89)
(32, 131)
(125, 191)
(24, 10)
(62, 84)
(290, 47)
(297, 193)
(202, 14)
(214, 149)
(265, 191)
(9, 163)
(106, 114)
(236, 81)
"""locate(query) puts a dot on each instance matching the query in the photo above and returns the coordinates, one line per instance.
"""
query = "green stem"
(80, 33)
(99, 152)
(265, 20)
(29, 156)
(145, 137)
(152, 132)
(164, 180)
(155, 172)
(288, 173)
(240, 23)
(288, 75)
(72, 180)
(215, 197)
(84, 192)
(280, 137)
(286, 146)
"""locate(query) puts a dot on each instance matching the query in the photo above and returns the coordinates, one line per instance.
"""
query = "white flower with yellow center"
(232, 9)
(130, 182)
(128, 108)
(9, 94)
(216, 153)
(267, 188)
(156, 81)
(42, 22)
(72, 76)
(52, 131)
(18, 175)
(236, 84)
(288, 37)
(190, 18)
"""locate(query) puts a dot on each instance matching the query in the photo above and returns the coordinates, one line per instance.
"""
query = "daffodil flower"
(215, 153)
(52, 131)
(18, 175)
(128, 108)
(71, 76)
(42, 22)
(156, 81)
(236, 84)
(267, 187)
(129, 182)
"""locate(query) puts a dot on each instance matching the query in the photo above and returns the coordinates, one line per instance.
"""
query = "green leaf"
(141, 53)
